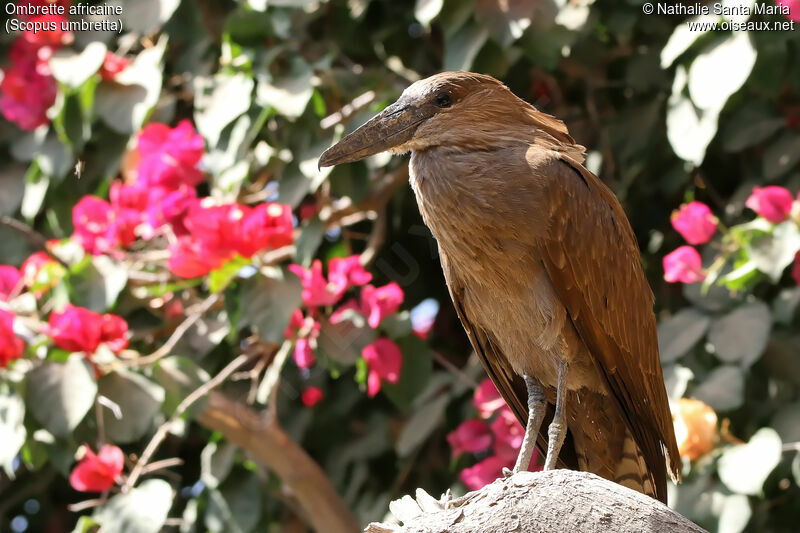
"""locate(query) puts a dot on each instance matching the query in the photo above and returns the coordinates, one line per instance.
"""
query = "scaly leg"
(558, 427)
(537, 405)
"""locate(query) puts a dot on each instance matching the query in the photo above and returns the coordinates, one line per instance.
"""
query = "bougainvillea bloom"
(263, 226)
(772, 202)
(168, 157)
(794, 8)
(28, 89)
(487, 399)
(77, 329)
(187, 260)
(695, 428)
(508, 434)
(311, 395)
(11, 346)
(683, 265)
(10, 281)
(695, 222)
(315, 286)
(113, 65)
(303, 355)
(379, 303)
(346, 272)
(384, 361)
(40, 272)
(484, 472)
(99, 228)
(471, 436)
(97, 473)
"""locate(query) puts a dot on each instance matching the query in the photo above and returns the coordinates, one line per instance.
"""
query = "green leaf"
(785, 304)
(680, 41)
(12, 187)
(689, 129)
(680, 333)
(236, 506)
(461, 49)
(142, 510)
(342, 342)
(221, 277)
(139, 400)
(96, 284)
(781, 156)
(773, 252)
(267, 303)
(427, 10)
(125, 104)
(146, 16)
(741, 335)
(73, 69)
(721, 70)
(310, 238)
(414, 374)
(36, 185)
(753, 123)
(86, 524)
(735, 514)
(12, 428)
(421, 424)
(60, 394)
(506, 21)
(287, 94)
(743, 468)
(229, 97)
(723, 388)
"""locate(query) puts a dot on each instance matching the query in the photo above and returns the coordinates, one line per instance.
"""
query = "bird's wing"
(592, 258)
(509, 384)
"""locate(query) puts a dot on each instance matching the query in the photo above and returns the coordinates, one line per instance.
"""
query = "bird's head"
(451, 108)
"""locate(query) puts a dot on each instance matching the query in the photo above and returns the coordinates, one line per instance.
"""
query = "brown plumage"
(543, 269)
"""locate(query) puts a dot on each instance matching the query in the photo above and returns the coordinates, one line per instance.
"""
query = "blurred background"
(165, 230)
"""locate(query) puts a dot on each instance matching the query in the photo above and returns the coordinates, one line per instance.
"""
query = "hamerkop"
(544, 272)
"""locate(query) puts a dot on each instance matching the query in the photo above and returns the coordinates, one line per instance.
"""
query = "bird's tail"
(631, 471)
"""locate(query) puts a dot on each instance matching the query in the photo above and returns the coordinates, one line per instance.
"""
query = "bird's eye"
(443, 100)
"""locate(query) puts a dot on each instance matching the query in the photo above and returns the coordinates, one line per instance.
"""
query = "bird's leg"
(558, 428)
(537, 404)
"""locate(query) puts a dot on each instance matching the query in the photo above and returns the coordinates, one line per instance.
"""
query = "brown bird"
(544, 272)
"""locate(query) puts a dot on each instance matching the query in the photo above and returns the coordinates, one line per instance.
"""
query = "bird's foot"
(507, 472)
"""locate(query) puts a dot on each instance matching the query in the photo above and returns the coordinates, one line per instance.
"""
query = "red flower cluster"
(217, 233)
(28, 87)
(383, 357)
(11, 346)
(475, 436)
(77, 329)
(97, 472)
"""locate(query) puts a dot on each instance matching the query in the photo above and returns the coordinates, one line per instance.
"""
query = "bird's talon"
(507, 472)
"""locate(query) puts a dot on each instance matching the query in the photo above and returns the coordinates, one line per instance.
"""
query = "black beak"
(390, 128)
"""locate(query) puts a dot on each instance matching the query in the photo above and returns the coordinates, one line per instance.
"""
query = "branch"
(268, 444)
(33, 236)
(538, 502)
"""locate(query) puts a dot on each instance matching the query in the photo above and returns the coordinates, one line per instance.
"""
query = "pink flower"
(346, 272)
(384, 360)
(470, 436)
(341, 311)
(114, 332)
(683, 265)
(484, 472)
(311, 395)
(315, 287)
(99, 228)
(379, 303)
(11, 346)
(10, 281)
(295, 322)
(794, 8)
(77, 329)
(303, 355)
(487, 400)
(695, 222)
(188, 259)
(168, 206)
(28, 89)
(113, 65)
(97, 473)
(772, 202)
(169, 156)
(264, 226)
(214, 227)
(508, 434)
